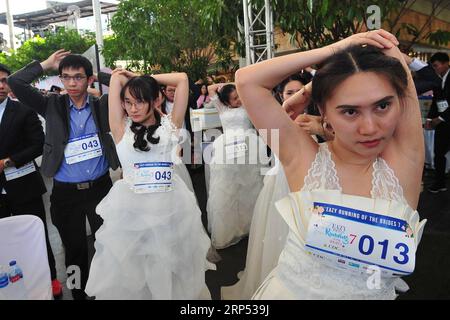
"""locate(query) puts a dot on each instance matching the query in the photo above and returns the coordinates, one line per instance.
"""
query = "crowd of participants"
(348, 134)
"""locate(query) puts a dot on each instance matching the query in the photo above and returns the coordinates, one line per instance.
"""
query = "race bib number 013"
(14, 173)
(355, 240)
(83, 148)
(153, 177)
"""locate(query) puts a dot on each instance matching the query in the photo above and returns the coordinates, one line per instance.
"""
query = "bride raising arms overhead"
(153, 238)
(365, 93)
(369, 111)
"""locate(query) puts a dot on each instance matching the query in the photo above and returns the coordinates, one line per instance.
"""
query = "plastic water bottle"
(15, 273)
(4, 282)
(16, 290)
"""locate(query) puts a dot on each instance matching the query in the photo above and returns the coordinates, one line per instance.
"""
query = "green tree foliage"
(315, 23)
(40, 49)
(164, 35)
(221, 18)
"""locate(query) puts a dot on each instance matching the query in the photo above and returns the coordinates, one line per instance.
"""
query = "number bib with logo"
(236, 149)
(355, 240)
(83, 148)
(153, 177)
(14, 173)
(442, 105)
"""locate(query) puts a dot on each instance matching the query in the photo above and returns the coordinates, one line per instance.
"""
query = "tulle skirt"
(150, 246)
(233, 190)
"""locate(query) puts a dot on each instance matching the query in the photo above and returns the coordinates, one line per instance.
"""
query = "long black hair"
(143, 88)
(225, 92)
(351, 61)
(303, 79)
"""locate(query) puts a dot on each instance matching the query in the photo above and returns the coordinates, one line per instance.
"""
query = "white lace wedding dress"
(298, 274)
(151, 245)
(233, 187)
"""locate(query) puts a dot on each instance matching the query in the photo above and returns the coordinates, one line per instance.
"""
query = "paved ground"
(431, 279)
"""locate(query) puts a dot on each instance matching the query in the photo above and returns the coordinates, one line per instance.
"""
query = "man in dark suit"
(21, 184)
(440, 119)
(425, 77)
(434, 76)
(78, 152)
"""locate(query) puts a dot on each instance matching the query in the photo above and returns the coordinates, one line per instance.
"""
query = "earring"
(324, 122)
(326, 125)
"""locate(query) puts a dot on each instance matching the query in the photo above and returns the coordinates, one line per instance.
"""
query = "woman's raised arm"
(180, 102)
(116, 112)
(255, 84)
(408, 135)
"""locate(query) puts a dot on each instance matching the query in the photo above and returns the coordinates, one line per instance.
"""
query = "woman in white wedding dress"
(353, 227)
(152, 244)
(268, 230)
(235, 175)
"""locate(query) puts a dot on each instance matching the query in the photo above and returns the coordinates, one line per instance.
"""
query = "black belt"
(82, 185)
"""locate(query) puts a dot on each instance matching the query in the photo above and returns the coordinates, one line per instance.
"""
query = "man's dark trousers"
(70, 205)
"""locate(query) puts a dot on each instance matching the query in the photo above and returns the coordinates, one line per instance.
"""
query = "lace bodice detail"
(305, 275)
(164, 151)
(231, 118)
(322, 175)
(385, 184)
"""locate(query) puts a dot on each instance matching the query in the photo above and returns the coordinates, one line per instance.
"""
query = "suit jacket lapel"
(94, 110)
(66, 115)
(447, 85)
(7, 120)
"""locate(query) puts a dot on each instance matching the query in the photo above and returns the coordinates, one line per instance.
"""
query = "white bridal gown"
(151, 245)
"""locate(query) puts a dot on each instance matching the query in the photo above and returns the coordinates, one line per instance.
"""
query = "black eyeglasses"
(138, 104)
(77, 78)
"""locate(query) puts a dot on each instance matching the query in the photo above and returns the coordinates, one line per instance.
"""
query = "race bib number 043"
(83, 148)
(355, 240)
(153, 177)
